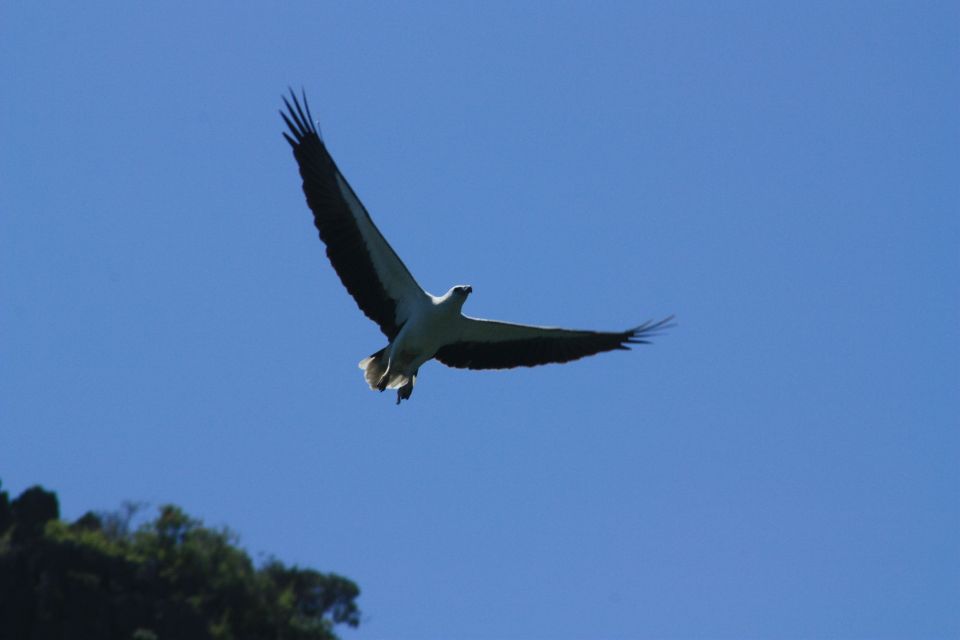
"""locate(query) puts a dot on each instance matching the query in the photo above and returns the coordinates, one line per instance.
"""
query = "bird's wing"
(487, 344)
(368, 267)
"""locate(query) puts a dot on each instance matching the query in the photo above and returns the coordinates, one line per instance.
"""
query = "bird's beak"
(469, 290)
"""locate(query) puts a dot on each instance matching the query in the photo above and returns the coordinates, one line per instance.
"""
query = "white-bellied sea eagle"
(419, 326)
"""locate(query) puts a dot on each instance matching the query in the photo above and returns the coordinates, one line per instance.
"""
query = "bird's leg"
(385, 378)
(404, 392)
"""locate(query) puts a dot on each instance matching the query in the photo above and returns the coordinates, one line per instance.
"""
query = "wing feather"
(488, 344)
(368, 267)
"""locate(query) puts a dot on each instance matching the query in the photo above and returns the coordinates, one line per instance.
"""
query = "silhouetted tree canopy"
(169, 578)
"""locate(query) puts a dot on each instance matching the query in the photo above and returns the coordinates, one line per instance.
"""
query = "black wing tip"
(643, 333)
(298, 117)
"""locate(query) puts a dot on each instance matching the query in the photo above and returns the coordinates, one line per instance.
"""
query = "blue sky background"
(782, 177)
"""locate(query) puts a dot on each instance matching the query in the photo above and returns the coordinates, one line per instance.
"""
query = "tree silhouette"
(172, 577)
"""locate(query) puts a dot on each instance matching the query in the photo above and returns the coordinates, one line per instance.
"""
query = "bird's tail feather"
(376, 371)
(374, 367)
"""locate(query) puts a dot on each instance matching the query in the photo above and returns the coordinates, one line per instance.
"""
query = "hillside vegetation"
(170, 577)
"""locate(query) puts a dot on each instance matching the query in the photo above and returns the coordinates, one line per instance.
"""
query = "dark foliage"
(169, 578)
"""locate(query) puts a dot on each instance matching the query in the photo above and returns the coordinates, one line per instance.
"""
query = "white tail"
(376, 371)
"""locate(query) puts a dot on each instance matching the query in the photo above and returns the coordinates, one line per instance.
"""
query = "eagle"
(419, 326)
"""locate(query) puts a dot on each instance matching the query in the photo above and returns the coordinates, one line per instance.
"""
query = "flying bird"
(419, 326)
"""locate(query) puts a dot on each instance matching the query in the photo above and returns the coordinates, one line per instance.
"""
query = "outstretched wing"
(368, 267)
(487, 344)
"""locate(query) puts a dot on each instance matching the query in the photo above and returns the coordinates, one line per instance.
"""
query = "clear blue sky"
(782, 177)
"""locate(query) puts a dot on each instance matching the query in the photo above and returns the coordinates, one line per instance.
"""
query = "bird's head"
(458, 294)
